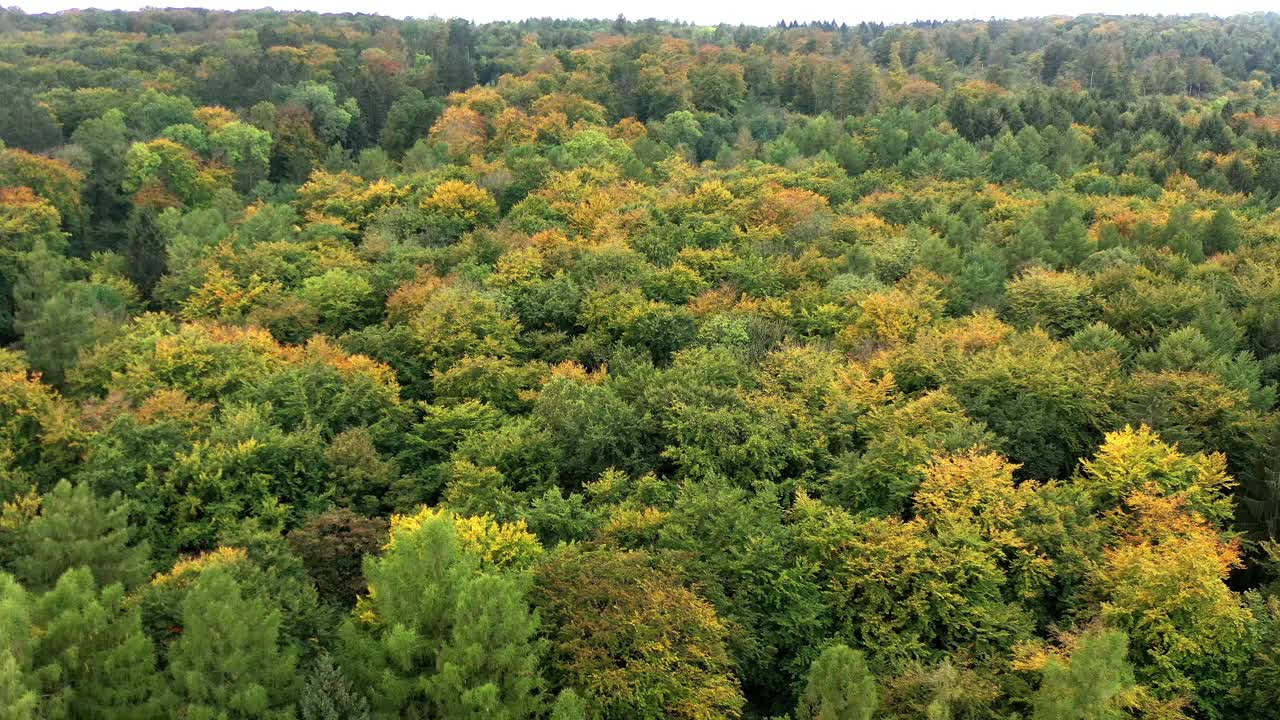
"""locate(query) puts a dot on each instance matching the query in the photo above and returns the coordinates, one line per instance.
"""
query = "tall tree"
(439, 636)
(77, 529)
(228, 663)
(92, 658)
(18, 699)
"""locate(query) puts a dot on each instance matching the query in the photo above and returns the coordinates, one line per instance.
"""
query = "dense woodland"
(358, 368)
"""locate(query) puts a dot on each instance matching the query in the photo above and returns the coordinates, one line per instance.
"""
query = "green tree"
(1089, 685)
(77, 529)
(92, 658)
(408, 120)
(28, 123)
(840, 687)
(18, 699)
(341, 299)
(245, 149)
(328, 695)
(437, 636)
(144, 247)
(488, 667)
(568, 706)
(228, 663)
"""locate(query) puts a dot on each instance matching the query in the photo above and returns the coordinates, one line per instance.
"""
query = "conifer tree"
(92, 658)
(489, 668)
(1083, 688)
(18, 699)
(40, 277)
(328, 695)
(229, 664)
(77, 529)
(840, 687)
(569, 706)
(437, 637)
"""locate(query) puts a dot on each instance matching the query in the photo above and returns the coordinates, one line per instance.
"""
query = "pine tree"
(492, 655)
(228, 664)
(569, 706)
(1221, 234)
(413, 590)
(39, 279)
(92, 657)
(437, 637)
(840, 687)
(144, 248)
(18, 699)
(77, 529)
(1084, 688)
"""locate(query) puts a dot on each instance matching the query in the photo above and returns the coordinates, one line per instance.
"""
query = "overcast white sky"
(700, 11)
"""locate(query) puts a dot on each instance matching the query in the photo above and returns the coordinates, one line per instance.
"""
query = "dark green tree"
(328, 695)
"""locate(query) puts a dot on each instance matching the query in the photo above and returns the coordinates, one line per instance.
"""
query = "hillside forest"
(356, 368)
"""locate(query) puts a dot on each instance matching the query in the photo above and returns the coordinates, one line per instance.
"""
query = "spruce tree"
(92, 658)
(228, 663)
(840, 687)
(328, 695)
(77, 529)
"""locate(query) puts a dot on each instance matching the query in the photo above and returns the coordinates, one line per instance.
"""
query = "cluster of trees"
(361, 368)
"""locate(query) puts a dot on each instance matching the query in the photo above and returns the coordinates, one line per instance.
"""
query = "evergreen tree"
(1085, 687)
(1221, 234)
(77, 529)
(229, 664)
(489, 668)
(144, 247)
(92, 658)
(1056, 235)
(445, 640)
(18, 699)
(840, 687)
(328, 695)
(40, 277)
(569, 706)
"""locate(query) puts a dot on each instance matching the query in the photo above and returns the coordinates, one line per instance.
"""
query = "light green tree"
(1087, 685)
(228, 663)
(92, 659)
(18, 699)
(840, 687)
(439, 638)
(77, 529)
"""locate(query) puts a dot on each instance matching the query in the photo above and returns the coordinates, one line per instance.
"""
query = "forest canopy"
(359, 368)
